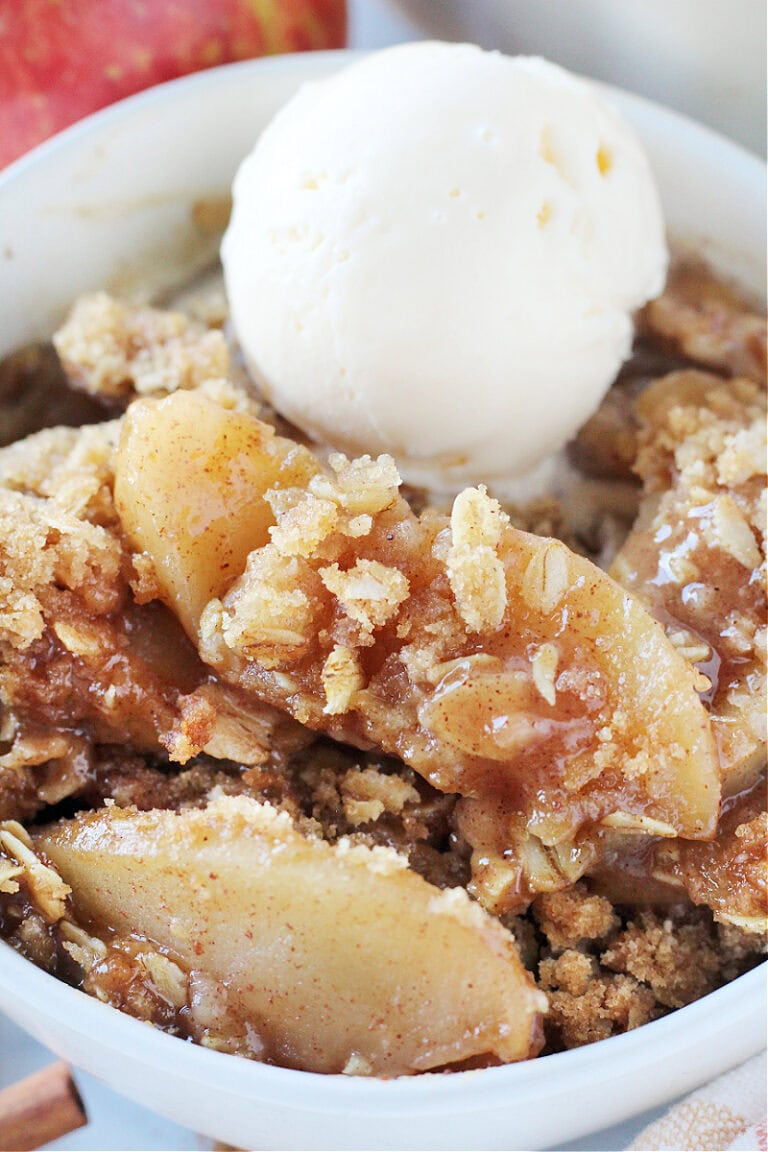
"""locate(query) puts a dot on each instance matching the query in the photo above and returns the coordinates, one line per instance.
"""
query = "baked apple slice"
(190, 490)
(496, 663)
(696, 555)
(340, 955)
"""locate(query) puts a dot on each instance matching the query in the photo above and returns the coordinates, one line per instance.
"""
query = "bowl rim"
(676, 1033)
(635, 1052)
(121, 109)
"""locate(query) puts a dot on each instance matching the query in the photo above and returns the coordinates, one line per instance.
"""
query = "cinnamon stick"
(39, 1109)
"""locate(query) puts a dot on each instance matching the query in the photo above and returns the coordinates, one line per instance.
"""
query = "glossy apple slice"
(492, 661)
(190, 478)
(337, 954)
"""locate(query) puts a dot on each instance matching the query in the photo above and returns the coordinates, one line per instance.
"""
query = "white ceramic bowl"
(111, 201)
(703, 57)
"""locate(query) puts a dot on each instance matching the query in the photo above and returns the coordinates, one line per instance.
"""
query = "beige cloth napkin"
(728, 1115)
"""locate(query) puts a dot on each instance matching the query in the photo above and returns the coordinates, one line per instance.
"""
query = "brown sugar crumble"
(430, 732)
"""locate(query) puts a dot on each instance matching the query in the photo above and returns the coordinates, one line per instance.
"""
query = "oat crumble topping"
(475, 741)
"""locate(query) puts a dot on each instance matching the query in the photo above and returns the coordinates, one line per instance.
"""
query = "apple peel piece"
(340, 954)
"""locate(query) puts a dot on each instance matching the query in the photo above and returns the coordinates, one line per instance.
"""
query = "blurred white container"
(703, 57)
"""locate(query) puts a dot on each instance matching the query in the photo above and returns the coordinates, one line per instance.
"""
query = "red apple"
(61, 59)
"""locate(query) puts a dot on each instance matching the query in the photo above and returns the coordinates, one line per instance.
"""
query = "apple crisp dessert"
(299, 767)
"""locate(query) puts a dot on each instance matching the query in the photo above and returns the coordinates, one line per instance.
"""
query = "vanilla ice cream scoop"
(436, 253)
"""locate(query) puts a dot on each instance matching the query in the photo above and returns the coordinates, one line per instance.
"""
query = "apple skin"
(62, 59)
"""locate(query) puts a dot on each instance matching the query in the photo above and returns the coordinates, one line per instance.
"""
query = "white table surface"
(116, 1124)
